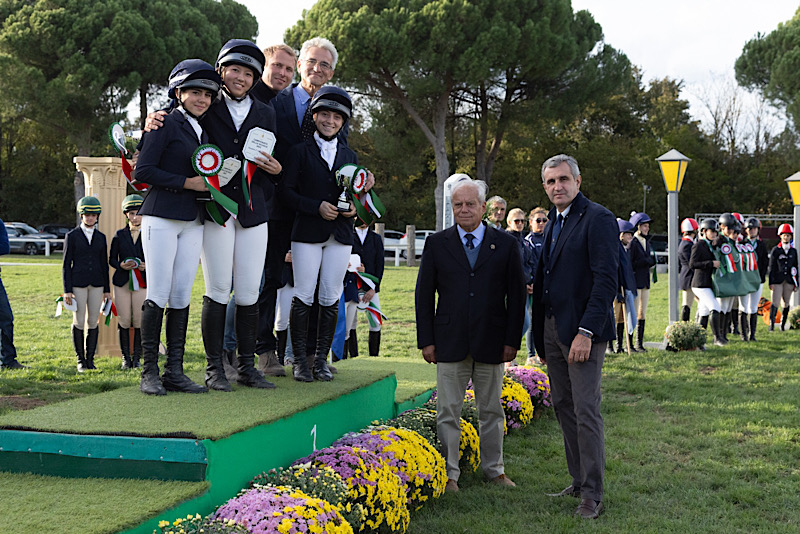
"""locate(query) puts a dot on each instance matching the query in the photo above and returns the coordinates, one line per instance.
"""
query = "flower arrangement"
(516, 403)
(421, 421)
(469, 450)
(417, 463)
(194, 524)
(535, 382)
(372, 483)
(270, 509)
(319, 481)
(793, 320)
(685, 335)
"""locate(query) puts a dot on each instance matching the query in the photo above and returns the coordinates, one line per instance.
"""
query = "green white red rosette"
(108, 309)
(135, 276)
(374, 313)
(60, 303)
(207, 161)
(116, 134)
(368, 206)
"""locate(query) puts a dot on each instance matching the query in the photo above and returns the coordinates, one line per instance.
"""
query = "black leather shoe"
(13, 364)
(569, 491)
(589, 509)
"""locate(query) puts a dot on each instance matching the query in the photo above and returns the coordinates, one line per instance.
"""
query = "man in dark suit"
(573, 291)
(475, 327)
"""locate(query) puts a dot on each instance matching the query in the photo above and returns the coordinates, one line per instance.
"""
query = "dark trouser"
(575, 390)
(8, 353)
(280, 239)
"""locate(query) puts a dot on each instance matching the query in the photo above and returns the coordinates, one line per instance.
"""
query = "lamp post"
(673, 168)
(794, 190)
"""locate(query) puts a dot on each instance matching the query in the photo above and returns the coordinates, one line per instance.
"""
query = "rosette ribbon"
(117, 136)
(248, 170)
(368, 206)
(135, 277)
(108, 309)
(61, 304)
(374, 313)
(207, 161)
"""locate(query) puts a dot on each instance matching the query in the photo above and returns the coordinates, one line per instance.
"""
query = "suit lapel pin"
(491, 246)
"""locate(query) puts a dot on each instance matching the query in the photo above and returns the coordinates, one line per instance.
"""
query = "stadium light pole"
(673, 168)
(794, 190)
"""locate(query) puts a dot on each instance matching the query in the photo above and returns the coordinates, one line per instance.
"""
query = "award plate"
(230, 168)
(355, 263)
(258, 140)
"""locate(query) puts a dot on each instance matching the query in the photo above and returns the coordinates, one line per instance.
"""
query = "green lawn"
(695, 441)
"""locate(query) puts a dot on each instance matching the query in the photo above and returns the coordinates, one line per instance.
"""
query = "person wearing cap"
(689, 228)
(728, 235)
(643, 260)
(753, 228)
(626, 287)
(234, 249)
(127, 259)
(703, 263)
(172, 223)
(85, 275)
(322, 234)
(782, 274)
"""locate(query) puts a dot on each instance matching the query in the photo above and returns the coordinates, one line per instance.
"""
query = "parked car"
(658, 242)
(390, 238)
(21, 244)
(60, 230)
(26, 230)
(419, 241)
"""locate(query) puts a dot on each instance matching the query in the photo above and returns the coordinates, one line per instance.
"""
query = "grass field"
(695, 441)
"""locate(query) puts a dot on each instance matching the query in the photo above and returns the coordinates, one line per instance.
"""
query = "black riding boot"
(91, 346)
(173, 378)
(299, 331)
(685, 312)
(704, 322)
(773, 312)
(137, 348)
(326, 326)
(724, 325)
(640, 336)
(281, 336)
(784, 317)
(374, 343)
(80, 353)
(744, 326)
(352, 344)
(717, 321)
(212, 325)
(753, 324)
(152, 316)
(734, 321)
(246, 326)
(125, 347)
(620, 346)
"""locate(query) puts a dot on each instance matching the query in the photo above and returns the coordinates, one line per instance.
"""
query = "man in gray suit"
(475, 327)
(573, 291)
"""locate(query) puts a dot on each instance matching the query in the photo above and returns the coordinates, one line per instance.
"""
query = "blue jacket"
(641, 259)
(371, 253)
(85, 264)
(122, 248)
(5, 246)
(578, 283)
(526, 255)
(165, 162)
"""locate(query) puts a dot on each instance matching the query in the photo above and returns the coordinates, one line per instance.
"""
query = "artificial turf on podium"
(219, 417)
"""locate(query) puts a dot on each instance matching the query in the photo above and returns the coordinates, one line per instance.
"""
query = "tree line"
(486, 87)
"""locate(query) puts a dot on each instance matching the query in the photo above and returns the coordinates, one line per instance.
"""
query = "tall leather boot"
(137, 348)
(773, 312)
(374, 343)
(724, 325)
(734, 319)
(152, 316)
(281, 336)
(91, 346)
(704, 322)
(299, 331)
(352, 345)
(784, 317)
(173, 378)
(753, 324)
(744, 326)
(212, 325)
(620, 346)
(716, 328)
(125, 347)
(685, 312)
(640, 336)
(246, 326)
(80, 353)
(631, 344)
(326, 326)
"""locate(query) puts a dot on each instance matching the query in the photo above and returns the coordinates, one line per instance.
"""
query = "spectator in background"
(626, 286)
(643, 260)
(369, 247)
(782, 274)
(689, 228)
(496, 211)
(8, 352)
(534, 241)
(516, 228)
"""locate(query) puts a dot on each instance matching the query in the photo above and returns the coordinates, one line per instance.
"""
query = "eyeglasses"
(324, 65)
(540, 220)
(519, 221)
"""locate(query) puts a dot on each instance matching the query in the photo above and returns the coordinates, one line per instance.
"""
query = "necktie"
(556, 232)
(470, 244)
(307, 127)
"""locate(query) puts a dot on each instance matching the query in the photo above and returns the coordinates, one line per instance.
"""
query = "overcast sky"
(689, 40)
